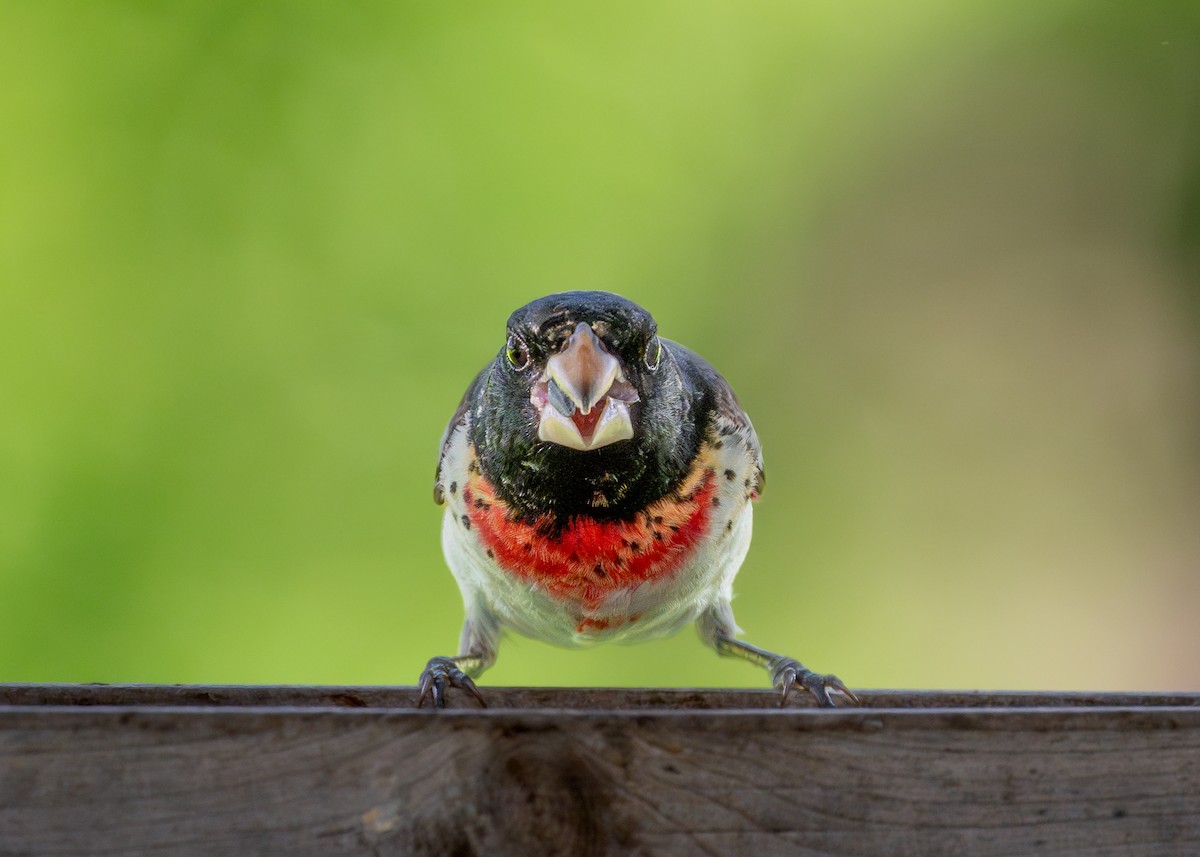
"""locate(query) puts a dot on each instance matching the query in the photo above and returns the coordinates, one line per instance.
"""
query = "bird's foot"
(439, 674)
(786, 673)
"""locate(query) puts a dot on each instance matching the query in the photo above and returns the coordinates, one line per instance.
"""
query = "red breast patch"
(589, 558)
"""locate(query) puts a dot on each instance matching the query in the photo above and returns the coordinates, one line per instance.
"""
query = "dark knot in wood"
(541, 793)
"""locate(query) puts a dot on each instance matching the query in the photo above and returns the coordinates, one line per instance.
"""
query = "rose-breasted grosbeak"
(597, 482)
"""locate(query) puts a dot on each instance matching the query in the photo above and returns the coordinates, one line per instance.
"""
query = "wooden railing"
(96, 769)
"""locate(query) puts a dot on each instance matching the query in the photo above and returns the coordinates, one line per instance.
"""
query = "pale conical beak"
(583, 398)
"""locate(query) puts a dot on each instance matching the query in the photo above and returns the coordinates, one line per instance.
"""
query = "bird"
(598, 483)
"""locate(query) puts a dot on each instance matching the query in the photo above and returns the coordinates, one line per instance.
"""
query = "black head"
(584, 410)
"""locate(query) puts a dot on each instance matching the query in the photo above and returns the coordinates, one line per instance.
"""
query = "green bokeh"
(252, 253)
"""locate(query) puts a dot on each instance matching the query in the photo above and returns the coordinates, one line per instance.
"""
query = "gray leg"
(478, 646)
(717, 628)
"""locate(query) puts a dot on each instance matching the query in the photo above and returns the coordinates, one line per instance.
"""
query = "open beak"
(583, 397)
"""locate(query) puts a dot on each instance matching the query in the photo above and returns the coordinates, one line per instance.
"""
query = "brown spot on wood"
(347, 700)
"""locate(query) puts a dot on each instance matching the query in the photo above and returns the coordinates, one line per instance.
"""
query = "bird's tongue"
(586, 423)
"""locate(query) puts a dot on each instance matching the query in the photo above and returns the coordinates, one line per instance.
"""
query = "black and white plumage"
(598, 483)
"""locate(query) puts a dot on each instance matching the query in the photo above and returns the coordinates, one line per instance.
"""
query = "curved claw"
(788, 673)
(440, 673)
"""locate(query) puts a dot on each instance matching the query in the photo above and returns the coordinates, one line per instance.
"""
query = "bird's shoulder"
(715, 398)
(461, 415)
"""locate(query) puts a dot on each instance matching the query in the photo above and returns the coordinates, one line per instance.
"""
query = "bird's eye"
(517, 352)
(653, 353)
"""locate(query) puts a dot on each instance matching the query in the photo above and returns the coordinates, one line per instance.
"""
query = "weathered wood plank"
(553, 697)
(179, 770)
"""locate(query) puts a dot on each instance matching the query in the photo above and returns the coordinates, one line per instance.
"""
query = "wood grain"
(276, 770)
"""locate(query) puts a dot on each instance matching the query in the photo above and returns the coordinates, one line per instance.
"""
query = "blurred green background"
(251, 253)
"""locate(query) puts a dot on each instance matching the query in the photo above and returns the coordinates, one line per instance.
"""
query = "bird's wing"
(461, 413)
(729, 417)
